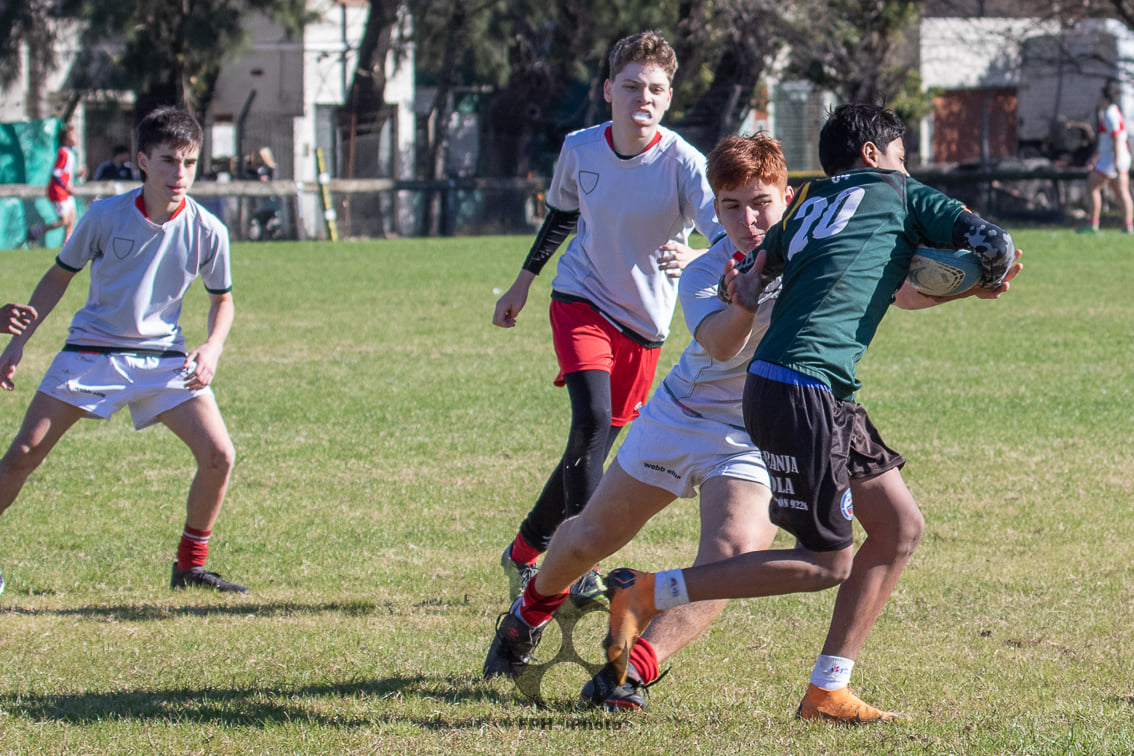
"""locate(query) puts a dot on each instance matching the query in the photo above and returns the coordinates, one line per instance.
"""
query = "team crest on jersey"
(588, 180)
(122, 247)
(846, 506)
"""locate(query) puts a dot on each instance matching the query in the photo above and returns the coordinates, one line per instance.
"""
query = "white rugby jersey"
(1112, 132)
(701, 385)
(140, 271)
(627, 209)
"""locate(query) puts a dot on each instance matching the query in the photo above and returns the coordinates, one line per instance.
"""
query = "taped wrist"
(557, 226)
(992, 245)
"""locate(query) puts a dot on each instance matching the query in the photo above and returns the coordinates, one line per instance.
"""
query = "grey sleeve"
(991, 244)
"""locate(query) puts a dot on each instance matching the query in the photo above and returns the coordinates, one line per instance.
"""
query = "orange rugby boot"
(839, 706)
(631, 596)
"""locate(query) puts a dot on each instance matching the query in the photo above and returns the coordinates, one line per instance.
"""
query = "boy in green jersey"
(843, 248)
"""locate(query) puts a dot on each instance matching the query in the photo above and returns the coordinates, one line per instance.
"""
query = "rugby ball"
(944, 272)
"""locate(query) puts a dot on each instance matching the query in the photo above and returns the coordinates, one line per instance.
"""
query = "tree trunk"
(456, 42)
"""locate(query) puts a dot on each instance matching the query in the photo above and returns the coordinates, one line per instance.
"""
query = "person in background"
(1111, 164)
(118, 168)
(61, 188)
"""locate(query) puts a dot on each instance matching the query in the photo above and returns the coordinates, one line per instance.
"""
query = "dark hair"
(851, 126)
(1111, 90)
(168, 125)
(643, 47)
(737, 161)
(118, 149)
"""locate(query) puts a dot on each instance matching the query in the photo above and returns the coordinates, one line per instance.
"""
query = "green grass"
(390, 440)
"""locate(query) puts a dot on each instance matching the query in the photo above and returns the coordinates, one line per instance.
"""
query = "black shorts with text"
(813, 445)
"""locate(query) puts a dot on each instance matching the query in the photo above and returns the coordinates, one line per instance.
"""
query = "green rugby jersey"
(844, 248)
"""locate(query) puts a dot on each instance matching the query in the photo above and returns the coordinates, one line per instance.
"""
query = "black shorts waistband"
(119, 350)
(628, 332)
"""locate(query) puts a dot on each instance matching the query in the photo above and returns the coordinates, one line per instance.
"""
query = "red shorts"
(585, 340)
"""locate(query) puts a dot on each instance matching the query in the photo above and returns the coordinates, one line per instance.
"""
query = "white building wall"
(963, 53)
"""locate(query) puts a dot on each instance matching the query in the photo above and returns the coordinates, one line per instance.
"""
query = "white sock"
(831, 672)
(670, 590)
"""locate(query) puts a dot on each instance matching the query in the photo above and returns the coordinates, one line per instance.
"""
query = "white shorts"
(102, 384)
(1105, 165)
(670, 449)
(64, 208)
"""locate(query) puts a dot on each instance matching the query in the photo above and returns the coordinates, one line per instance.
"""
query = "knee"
(908, 530)
(219, 460)
(842, 571)
(583, 541)
(729, 544)
(590, 424)
(835, 568)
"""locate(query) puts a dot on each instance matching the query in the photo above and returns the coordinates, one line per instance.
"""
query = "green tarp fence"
(27, 155)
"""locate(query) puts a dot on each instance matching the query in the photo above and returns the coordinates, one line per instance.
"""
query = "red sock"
(522, 553)
(193, 549)
(645, 660)
(536, 609)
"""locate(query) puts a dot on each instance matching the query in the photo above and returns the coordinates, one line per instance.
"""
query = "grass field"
(390, 440)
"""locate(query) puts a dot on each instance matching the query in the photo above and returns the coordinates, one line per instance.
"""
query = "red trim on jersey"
(141, 205)
(1121, 123)
(609, 134)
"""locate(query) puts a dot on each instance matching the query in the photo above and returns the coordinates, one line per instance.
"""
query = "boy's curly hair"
(643, 47)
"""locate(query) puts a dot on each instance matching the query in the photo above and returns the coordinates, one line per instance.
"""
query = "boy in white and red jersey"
(632, 191)
(61, 188)
(125, 347)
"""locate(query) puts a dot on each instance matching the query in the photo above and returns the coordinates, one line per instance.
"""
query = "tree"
(556, 64)
(173, 50)
(169, 52)
(861, 51)
(548, 64)
(724, 48)
(39, 24)
(459, 20)
(365, 110)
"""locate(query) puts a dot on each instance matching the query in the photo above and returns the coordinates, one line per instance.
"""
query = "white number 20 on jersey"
(820, 218)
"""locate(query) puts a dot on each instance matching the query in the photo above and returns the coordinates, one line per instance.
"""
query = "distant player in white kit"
(1111, 163)
(633, 191)
(125, 347)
